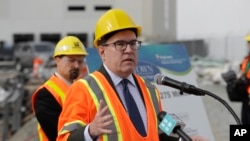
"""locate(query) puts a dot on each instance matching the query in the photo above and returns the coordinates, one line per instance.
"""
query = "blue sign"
(152, 59)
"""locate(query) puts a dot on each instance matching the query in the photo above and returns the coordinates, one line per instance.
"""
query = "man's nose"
(128, 48)
(76, 64)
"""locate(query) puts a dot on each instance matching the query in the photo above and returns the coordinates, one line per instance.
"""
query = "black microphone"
(172, 125)
(161, 79)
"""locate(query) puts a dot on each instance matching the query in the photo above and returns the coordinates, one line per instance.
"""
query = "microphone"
(161, 79)
(184, 87)
(171, 125)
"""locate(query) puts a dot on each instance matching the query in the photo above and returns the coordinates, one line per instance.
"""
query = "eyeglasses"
(122, 45)
(79, 61)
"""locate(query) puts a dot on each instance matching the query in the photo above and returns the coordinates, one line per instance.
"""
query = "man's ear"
(101, 51)
(57, 59)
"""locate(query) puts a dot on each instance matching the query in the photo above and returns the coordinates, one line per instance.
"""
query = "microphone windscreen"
(157, 78)
(161, 115)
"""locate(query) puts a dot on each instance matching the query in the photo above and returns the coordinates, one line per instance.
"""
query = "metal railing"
(12, 105)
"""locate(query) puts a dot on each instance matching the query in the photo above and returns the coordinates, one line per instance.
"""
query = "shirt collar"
(117, 79)
(59, 76)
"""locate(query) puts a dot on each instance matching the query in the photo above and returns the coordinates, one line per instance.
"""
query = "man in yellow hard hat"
(47, 100)
(112, 103)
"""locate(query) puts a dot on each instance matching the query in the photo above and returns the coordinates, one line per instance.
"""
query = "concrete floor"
(219, 116)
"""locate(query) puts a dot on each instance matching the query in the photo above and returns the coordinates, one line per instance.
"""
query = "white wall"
(46, 16)
(222, 23)
(30, 16)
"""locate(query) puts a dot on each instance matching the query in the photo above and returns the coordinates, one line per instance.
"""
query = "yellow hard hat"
(113, 20)
(247, 37)
(70, 45)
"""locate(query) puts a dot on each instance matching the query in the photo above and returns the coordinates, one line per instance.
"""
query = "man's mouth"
(129, 59)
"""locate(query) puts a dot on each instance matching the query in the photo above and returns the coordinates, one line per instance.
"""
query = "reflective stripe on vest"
(57, 89)
(153, 95)
(51, 84)
(97, 92)
(72, 126)
(41, 135)
(95, 89)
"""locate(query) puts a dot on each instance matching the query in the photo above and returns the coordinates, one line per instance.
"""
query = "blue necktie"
(133, 111)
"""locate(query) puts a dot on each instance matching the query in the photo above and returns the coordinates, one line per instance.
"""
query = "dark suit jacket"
(47, 113)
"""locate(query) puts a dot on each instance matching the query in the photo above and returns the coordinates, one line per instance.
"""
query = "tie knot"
(125, 82)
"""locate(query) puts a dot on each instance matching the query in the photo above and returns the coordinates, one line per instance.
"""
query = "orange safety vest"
(58, 89)
(246, 70)
(81, 107)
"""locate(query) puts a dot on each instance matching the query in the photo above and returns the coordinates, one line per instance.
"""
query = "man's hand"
(101, 121)
(198, 138)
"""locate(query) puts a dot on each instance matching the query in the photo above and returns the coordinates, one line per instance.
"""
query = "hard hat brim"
(138, 28)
